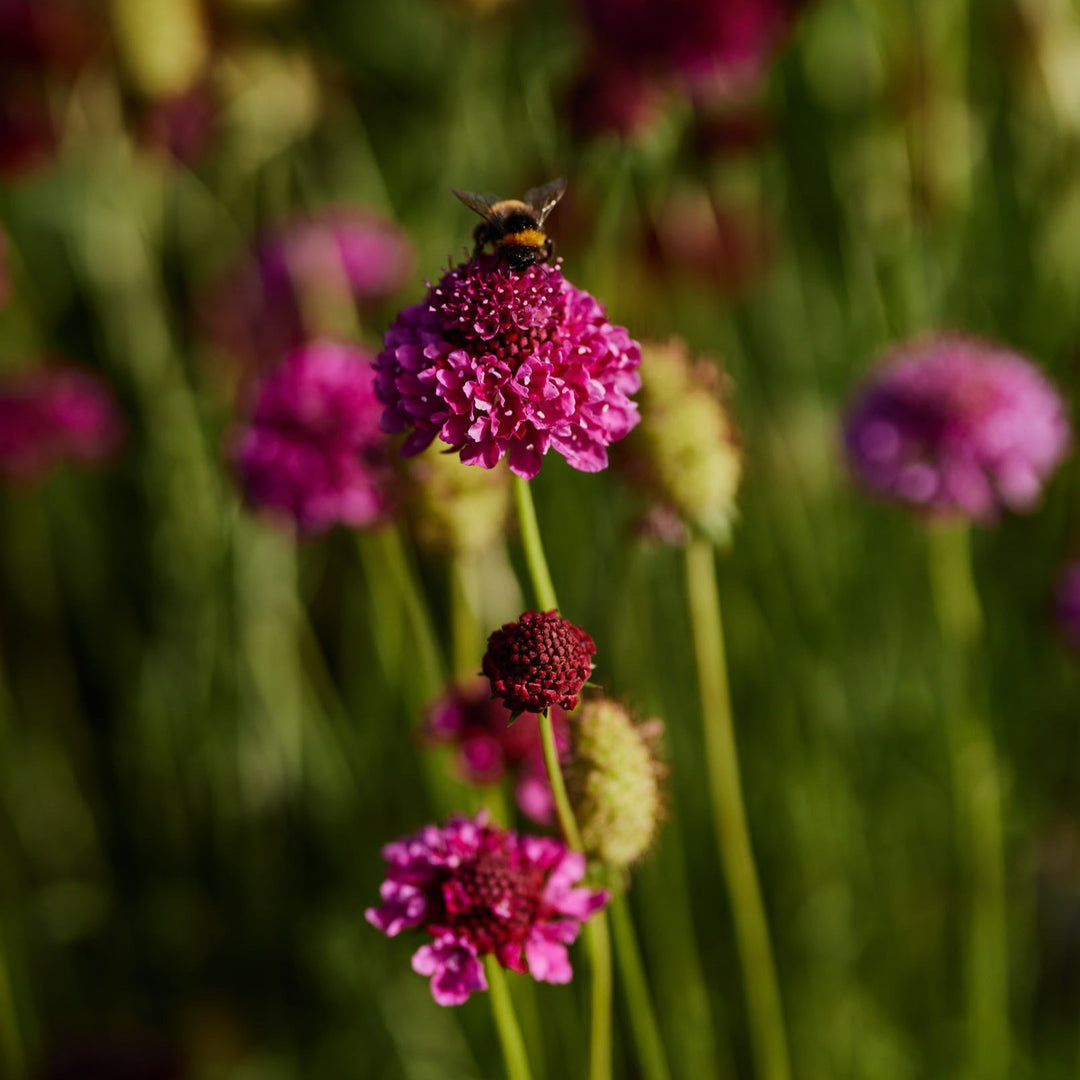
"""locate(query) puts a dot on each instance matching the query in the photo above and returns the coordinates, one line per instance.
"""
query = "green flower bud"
(163, 44)
(685, 452)
(614, 782)
(457, 509)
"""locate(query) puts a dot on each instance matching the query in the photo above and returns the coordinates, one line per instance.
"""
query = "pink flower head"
(313, 447)
(957, 426)
(491, 744)
(706, 43)
(54, 415)
(1068, 604)
(257, 312)
(479, 890)
(496, 362)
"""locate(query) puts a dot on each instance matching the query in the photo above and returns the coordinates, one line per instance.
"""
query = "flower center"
(492, 900)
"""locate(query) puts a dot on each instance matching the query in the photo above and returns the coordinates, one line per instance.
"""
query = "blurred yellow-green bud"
(685, 453)
(457, 509)
(614, 782)
(163, 44)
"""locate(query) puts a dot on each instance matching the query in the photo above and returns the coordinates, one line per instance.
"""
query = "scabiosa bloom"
(313, 447)
(479, 890)
(491, 744)
(55, 415)
(539, 661)
(1068, 604)
(957, 426)
(500, 363)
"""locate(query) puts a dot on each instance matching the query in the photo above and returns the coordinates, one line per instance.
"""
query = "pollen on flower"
(479, 890)
(497, 363)
(539, 661)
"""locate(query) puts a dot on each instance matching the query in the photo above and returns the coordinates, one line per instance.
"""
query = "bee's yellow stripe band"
(525, 238)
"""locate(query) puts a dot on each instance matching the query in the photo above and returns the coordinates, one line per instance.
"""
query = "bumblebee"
(515, 227)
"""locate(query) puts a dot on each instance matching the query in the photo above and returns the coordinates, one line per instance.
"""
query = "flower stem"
(398, 567)
(11, 1047)
(596, 930)
(506, 1021)
(979, 802)
(534, 548)
(764, 1006)
(645, 1028)
(466, 638)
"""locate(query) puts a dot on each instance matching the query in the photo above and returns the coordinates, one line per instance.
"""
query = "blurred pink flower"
(257, 311)
(479, 890)
(497, 363)
(53, 415)
(707, 44)
(957, 426)
(612, 97)
(313, 447)
(490, 744)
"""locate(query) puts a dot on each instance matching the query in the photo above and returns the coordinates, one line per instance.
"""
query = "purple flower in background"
(957, 426)
(705, 43)
(54, 415)
(490, 744)
(496, 362)
(1068, 604)
(479, 890)
(258, 312)
(313, 447)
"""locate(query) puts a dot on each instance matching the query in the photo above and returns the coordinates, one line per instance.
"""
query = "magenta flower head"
(479, 890)
(539, 661)
(55, 415)
(1068, 604)
(953, 425)
(491, 744)
(705, 43)
(496, 362)
(312, 448)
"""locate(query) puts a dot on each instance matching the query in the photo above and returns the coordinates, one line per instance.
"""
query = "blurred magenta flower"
(609, 96)
(496, 362)
(706, 44)
(53, 415)
(313, 448)
(954, 425)
(262, 307)
(539, 661)
(491, 744)
(182, 126)
(1068, 603)
(479, 890)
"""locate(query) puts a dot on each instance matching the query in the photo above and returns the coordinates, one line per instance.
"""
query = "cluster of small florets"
(539, 661)
(685, 454)
(478, 890)
(498, 363)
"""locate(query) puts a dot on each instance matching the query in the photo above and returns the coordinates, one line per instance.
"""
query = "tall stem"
(645, 1028)
(979, 802)
(596, 931)
(466, 636)
(736, 854)
(506, 1021)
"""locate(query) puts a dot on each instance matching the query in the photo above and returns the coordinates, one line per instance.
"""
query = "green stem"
(639, 1004)
(534, 548)
(513, 1045)
(979, 802)
(466, 636)
(11, 1047)
(399, 568)
(596, 930)
(764, 1006)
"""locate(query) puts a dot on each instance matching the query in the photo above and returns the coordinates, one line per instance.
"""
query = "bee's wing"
(543, 199)
(482, 204)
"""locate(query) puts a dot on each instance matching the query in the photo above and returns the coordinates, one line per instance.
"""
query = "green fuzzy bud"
(614, 782)
(457, 509)
(685, 452)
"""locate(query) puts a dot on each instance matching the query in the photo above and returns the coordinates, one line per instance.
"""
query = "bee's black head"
(520, 258)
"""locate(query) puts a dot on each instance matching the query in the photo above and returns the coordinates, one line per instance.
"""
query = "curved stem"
(979, 802)
(596, 930)
(506, 1021)
(764, 1006)
(639, 1004)
(534, 548)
